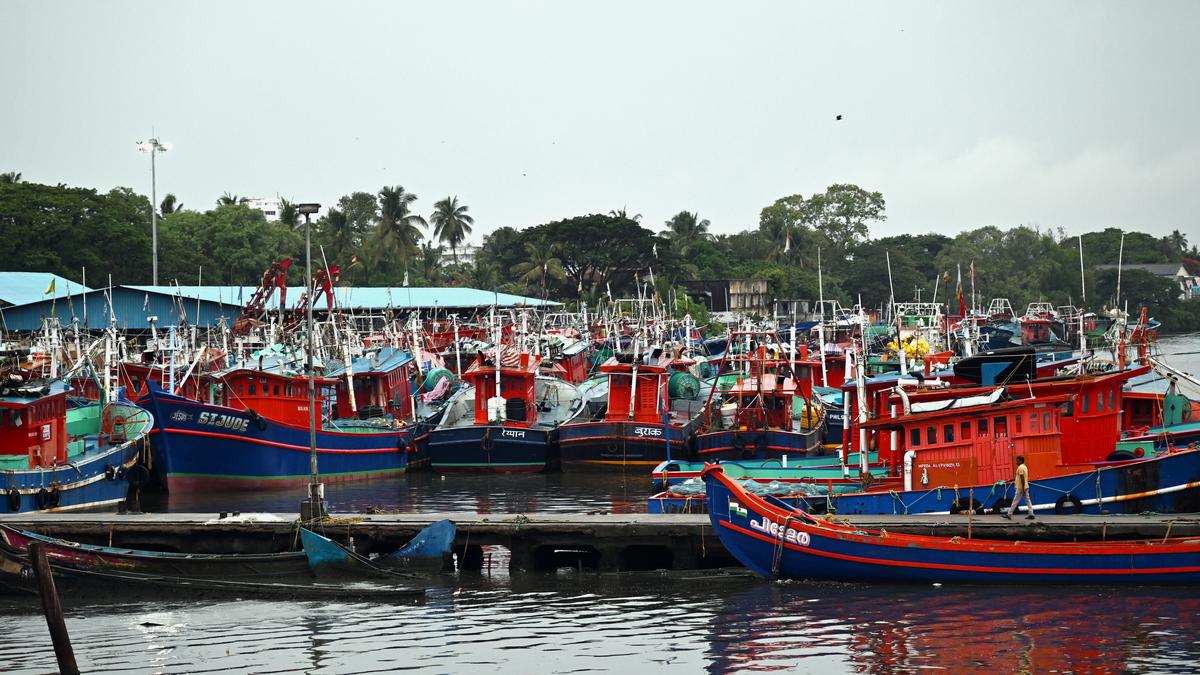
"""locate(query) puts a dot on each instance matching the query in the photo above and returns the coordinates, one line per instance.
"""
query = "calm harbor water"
(572, 622)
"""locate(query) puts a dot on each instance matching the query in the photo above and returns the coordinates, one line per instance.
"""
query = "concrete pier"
(544, 541)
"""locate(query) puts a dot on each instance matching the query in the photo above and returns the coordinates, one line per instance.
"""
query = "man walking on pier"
(1021, 483)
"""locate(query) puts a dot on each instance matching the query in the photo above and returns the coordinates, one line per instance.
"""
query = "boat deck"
(605, 541)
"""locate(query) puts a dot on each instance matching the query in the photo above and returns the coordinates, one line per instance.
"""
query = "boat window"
(1000, 426)
(1111, 399)
(1046, 421)
(1083, 410)
(1033, 423)
(914, 438)
(1017, 426)
(1099, 401)
(982, 424)
(965, 430)
(948, 433)
(931, 433)
(275, 389)
(253, 390)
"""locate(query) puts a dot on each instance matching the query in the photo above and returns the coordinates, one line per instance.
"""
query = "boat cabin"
(975, 444)
(381, 381)
(33, 424)
(518, 387)
(278, 397)
(639, 398)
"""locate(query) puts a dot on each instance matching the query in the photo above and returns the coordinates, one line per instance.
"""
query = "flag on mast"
(962, 306)
(787, 241)
(50, 288)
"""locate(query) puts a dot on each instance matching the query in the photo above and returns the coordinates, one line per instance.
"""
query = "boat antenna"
(1082, 279)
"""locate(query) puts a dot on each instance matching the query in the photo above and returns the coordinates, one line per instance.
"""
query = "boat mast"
(821, 321)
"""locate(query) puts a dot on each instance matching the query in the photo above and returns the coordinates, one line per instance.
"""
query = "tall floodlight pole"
(312, 508)
(153, 146)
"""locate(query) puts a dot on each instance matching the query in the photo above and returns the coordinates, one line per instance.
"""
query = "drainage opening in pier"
(639, 558)
(569, 557)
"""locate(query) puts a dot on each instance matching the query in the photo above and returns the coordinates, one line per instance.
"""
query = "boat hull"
(614, 446)
(1163, 484)
(778, 542)
(97, 478)
(198, 447)
(491, 449)
(754, 444)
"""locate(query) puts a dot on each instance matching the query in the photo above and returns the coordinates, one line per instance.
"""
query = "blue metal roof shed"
(204, 305)
(19, 288)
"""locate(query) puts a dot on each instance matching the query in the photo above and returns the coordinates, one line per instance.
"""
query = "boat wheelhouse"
(757, 408)
(652, 413)
(506, 418)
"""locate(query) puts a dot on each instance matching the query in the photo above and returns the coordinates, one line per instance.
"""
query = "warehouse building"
(133, 306)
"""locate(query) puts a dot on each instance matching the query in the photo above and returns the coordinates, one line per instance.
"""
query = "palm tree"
(10, 178)
(169, 205)
(686, 228)
(621, 213)
(451, 223)
(228, 199)
(1178, 240)
(289, 215)
(541, 262)
(339, 232)
(430, 263)
(397, 232)
(483, 274)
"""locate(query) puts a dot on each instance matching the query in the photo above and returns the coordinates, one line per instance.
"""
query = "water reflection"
(425, 492)
(567, 622)
(886, 630)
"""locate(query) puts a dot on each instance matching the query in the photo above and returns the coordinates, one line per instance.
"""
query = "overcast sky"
(1082, 115)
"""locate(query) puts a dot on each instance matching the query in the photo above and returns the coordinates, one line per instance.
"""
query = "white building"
(268, 205)
(466, 254)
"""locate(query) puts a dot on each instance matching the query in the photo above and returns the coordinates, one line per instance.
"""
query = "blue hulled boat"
(56, 457)
(777, 541)
(239, 441)
(505, 420)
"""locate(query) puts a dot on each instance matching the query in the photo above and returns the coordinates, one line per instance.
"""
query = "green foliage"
(233, 243)
(61, 230)
(377, 238)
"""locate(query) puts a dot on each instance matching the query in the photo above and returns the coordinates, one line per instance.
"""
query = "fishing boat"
(375, 391)
(505, 420)
(955, 455)
(776, 541)
(251, 432)
(73, 555)
(758, 408)
(94, 577)
(58, 457)
(654, 407)
(783, 469)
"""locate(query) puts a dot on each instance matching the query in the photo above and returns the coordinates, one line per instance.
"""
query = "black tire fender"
(1068, 501)
(487, 443)
(963, 505)
(14, 500)
(137, 475)
(1001, 505)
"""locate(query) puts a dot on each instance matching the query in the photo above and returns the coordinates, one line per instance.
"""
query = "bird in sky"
(839, 118)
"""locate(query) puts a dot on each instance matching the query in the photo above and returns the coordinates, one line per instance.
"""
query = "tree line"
(381, 238)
